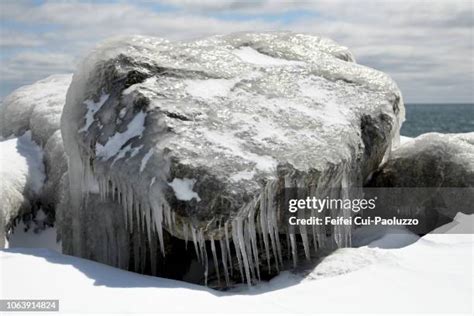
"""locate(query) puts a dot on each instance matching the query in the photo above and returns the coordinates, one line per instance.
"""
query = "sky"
(426, 46)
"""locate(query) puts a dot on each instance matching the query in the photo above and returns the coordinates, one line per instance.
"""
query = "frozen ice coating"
(197, 140)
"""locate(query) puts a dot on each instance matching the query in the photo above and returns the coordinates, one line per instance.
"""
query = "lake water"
(442, 118)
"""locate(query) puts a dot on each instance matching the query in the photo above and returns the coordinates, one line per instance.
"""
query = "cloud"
(427, 46)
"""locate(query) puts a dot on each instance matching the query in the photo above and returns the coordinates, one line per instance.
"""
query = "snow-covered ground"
(34, 235)
(395, 273)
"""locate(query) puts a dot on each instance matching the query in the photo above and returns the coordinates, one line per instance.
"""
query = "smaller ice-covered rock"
(32, 113)
(21, 178)
(430, 177)
(430, 160)
(36, 107)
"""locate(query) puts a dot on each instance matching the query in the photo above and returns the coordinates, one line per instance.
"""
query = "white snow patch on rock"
(92, 108)
(252, 56)
(209, 88)
(114, 144)
(231, 144)
(183, 189)
(243, 175)
(145, 159)
(133, 152)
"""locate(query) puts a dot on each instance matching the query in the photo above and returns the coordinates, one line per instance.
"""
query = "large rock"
(430, 177)
(198, 140)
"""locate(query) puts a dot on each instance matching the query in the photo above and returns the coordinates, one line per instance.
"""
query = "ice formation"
(198, 141)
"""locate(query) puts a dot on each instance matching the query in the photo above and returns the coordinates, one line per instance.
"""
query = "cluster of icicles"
(248, 232)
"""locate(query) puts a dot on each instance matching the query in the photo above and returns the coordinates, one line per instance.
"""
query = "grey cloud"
(422, 44)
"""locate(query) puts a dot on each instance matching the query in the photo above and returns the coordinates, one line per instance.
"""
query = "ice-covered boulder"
(430, 160)
(199, 140)
(430, 177)
(21, 179)
(29, 121)
(36, 107)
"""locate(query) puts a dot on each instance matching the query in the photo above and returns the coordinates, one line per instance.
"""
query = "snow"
(21, 164)
(230, 143)
(32, 236)
(92, 108)
(431, 275)
(113, 145)
(183, 189)
(209, 88)
(243, 175)
(252, 56)
(145, 159)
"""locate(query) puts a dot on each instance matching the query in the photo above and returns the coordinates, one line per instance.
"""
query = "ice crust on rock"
(245, 116)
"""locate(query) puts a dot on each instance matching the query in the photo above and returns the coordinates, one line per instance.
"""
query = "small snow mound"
(183, 189)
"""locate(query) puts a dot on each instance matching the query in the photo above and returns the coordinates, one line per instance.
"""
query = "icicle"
(147, 211)
(253, 239)
(168, 221)
(130, 207)
(304, 238)
(313, 229)
(248, 249)
(216, 263)
(204, 255)
(173, 219)
(224, 261)
(136, 207)
(264, 228)
(235, 240)
(270, 223)
(293, 249)
(158, 218)
(196, 247)
(185, 233)
(229, 254)
(241, 242)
